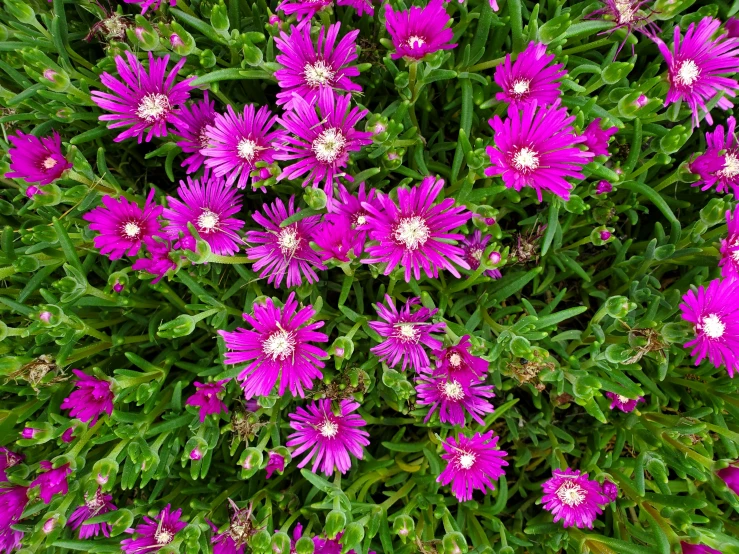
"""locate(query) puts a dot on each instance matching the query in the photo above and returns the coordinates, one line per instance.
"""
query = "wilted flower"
(95, 505)
(276, 462)
(603, 187)
(530, 78)
(52, 481)
(630, 14)
(36, 160)
(68, 435)
(459, 364)
(92, 398)
(454, 399)
(623, 403)
(596, 139)
(13, 501)
(191, 124)
(474, 247)
(160, 261)
(573, 498)
(8, 459)
(610, 490)
(154, 533)
(419, 31)
(207, 398)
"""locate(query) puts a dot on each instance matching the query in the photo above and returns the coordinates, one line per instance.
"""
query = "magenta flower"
(699, 65)
(419, 31)
(284, 250)
(123, 225)
(537, 147)
(573, 498)
(36, 160)
(596, 139)
(29, 432)
(719, 165)
(361, 6)
(697, 549)
(210, 206)
(8, 459)
(13, 501)
(610, 490)
(416, 234)
(303, 9)
(329, 437)
(145, 102)
(730, 476)
(405, 334)
(68, 435)
(729, 261)
(623, 403)
(732, 27)
(191, 124)
(319, 143)
(714, 313)
(92, 398)
(530, 78)
(207, 398)
(276, 462)
(473, 248)
(309, 68)
(154, 533)
(459, 364)
(336, 238)
(473, 463)
(279, 346)
(153, 4)
(630, 14)
(223, 543)
(352, 207)
(96, 505)
(160, 261)
(453, 399)
(237, 142)
(603, 187)
(52, 481)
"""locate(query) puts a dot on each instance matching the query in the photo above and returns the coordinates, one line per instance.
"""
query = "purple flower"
(153, 4)
(123, 225)
(719, 165)
(419, 31)
(309, 68)
(732, 27)
(699, 65)
(697, 549)
(623, 403)
(729, 261)
(52, 481)
(336, 238)
(473, 463)
(279, 346)
(362, 6)
(610, 490)
(160, 261)
(210, 206)
(276, 462)
(629, 14)
(92, 398)
(454, 399)
(530, 78)
(405, 334)
(730, 476)
(352, 207)
(207, 398)
(328, 436)
(36, 160)
(473, 248)
(536, 147)
(236, 535)
(603, 187)
(8, 459)
(96, 505)
(237, 142)
(714, 313)
(144, 101)
(191, 124)
(154, 533)
(457, 362)
(68, 435)
(574, 498)
(319, 143)
(303, 9)
(415, 233)
(223, 543)
(284, 250)
(29, 432)
(596, 139)
(13, 501)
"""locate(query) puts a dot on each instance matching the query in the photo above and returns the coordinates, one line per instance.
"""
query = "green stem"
(71, 174)
(586, 47)
(232, 260)
(646, 167)
(490, 64)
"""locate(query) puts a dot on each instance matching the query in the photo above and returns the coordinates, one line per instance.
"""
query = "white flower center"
(318, 73)
(328, 429)
(412, 232)
(247, 149)
(520, 87)
(466, 460)
(208, 221)
(94, 503)
(626, 11)
(476, 254)
(329, 145)
(453, 391)
(153, 107)
(360, 219)
(279, 345)
(735, 254)
(526, 159)
(407, 332)
(571, 494)
(455, 360)
(163, 536)
(731, 166)
(49, 163)
(289, 241)
(203, 137)
(131, 229)
(688, 73)
(623, 399)
(713, 327)
(415, 41)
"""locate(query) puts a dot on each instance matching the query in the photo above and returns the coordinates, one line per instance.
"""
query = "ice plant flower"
(729, 261)
(573, 498)
(453, 399)
(473, 463)
(147, 4)
(530, 78)
(328, 437)
(698, 549)
(610, 490)
(419, 31)
(123, 225)
(92, 398)
(537, 147)
(276, 462)
(362, 6)
(319, 142)
(36, 160)
(730, 476)
(308, 68)
(154, 533)
(623, 403)
(29, 432)
(714, 313)
(8, 459)
(52, 481)
(459, 364)
(68, 435)
(277, 346)
(352, 207)
(144, 101)
(237, 142)
(207, 398)
(303, 9)
(699, 67)
(13, 501)
(95, 505)
(160, 261)
(406, 333)
(210, 205)
(603, 187)
(191, 124)
(596, 139)
(474, 247)
(631, 14)
(416, 233)
(732, 27)
(336, 238)
(719, 165)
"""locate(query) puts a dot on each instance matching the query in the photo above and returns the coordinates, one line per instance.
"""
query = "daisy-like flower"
(123, 225)
(284, 251)
(623, 403)
(52, 481)
(634, 15)
(159, 262)
(530, 78)
(730, 476)
(276, 463)
(596, 139)
(95, 505)
(328, 437)
(303, 9)
(150, 4)
(719, 165)
(191, 124)
(278, 346)
(473, 463)
(207, 398)
(454, 399)
(406, 333)
(210, 206)
(419, 31)
(729, 261)
(473, 247)
(319, 142)
(237, 142)
(309, 67)
(698, 549)
(145, 101)
(362, 6)
(8, 459)
(537, 147)
(459, 364)
(416, 234)
(336, 238)
(13, 501)
(154, 533)
(573, 498)
(36, 160)
(699, 67)
(352, 207)
(714, 313)
(92, 398)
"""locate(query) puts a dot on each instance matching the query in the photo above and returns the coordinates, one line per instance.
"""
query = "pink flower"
(719, 165)
(36, 160)
(153, 4)
(623, 403)
(207, 398)
(159, 262)
(351, 206)
(94, 506)
(13, 501)
(459, 364)
(730, 476)
(698, 549)
(729, 261)
(336, 238)
(573, 498)
(276, 462)
(191, 124)
(303, 9)
(474, 247)
(419, 31)
(154, 533)
(53, 481)
(92, 398)
(8, 459)
(596, 139)
(362, 6)
(454, 399)
(530, 78)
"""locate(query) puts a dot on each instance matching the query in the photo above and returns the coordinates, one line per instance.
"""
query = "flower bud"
(181, 326)
(603, 187)
(207, 58)
(261, 541)
(21, 11)
(343, 347)
(219, 18)
(713, 212)
(280, 543)
(610, 490)
(251, 460)
(304, 545)
(454, 543)
(335, 522)
(353, 535)
(315, 198)
(404, 527)
(618, 307)
(494, 257)
(122, 521)
(252, 55)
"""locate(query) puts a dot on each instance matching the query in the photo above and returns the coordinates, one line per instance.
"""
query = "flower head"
(52, 481)
(240, 530)
(459, 364)
(362, 6)
(473, 463)
(95, 505)
(351, 206)
(303, 9)
(144, 101)
(328, 436)
(207, 398)
(92, 398)
(278, 346)
(719, 165)
(730, 476)
(159, 262)
(629, 14)
(8, 459)
(573, 498)
(36, 160)
(13, 501)
(698, 549)
(419, 31)
(454, 399)
(154, 533)
(276, 462)
(603, 187)
(336, 238)
(623, 403)
(530, 78)
(191, 124)
(596, 139)
(610, 490)
(473, 247)
(729, 261)
(153, 4)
